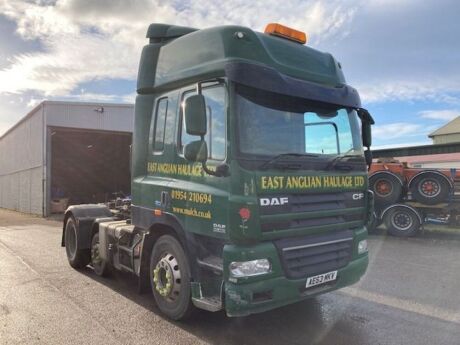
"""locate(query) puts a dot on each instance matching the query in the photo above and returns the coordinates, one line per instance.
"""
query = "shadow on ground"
(310, 321)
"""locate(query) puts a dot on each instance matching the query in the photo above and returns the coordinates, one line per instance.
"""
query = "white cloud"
(445, 91)
(396, 130)
(445, 115)
(34, 102)
(87, 40)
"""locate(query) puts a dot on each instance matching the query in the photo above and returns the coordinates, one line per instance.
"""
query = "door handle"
(164, 199)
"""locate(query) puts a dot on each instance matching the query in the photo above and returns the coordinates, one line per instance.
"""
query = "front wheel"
(170, 278)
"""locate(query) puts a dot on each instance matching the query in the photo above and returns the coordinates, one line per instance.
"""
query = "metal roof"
(43, 103)
(452, 127)
(417, 150)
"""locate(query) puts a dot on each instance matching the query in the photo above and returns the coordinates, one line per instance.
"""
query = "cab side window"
(159, 125)
(216, 136)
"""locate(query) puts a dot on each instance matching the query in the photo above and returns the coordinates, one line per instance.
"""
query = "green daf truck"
(249, 175)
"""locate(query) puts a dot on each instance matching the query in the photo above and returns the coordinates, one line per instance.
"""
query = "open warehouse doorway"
(87, 166)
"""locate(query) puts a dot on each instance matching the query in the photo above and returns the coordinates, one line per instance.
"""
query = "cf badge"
(358, 196)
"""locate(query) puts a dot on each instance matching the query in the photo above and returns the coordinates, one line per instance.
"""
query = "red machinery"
(406, 197)
(391, 180)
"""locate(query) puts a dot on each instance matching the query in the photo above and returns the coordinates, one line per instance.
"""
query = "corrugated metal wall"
(23, 173)
(21, 168)
(446, 138)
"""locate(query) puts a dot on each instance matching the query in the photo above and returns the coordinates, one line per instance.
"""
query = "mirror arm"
(368, 156)
(207, 170)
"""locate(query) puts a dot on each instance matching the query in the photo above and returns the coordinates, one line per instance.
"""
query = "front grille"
(307, 256)
(311, 210)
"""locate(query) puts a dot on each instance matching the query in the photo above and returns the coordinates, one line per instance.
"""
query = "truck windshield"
(272, 124)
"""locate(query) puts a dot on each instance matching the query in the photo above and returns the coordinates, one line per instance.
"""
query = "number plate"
(321, 278)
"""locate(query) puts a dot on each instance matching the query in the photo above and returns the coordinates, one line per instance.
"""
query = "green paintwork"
(285, 291)
(169, 66)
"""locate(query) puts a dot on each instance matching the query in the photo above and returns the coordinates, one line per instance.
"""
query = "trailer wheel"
(387, 188)
(78, 258)
(402, 221)
(430, 189)
(99, 265)
(170, 278)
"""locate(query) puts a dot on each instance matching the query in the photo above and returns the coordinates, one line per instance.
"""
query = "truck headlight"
(251, 268)
(362, 247)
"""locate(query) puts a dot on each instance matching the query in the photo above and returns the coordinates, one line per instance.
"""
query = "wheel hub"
(401, 221)
(429, 188)
(166, 277)
(383, 187)
(95, 257)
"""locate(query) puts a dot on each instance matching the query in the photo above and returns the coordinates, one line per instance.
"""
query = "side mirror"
(195, 115)
(366, 134)
(368, 157)
(367, 121)
(196, 151)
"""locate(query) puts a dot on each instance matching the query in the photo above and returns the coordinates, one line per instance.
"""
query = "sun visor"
(269, 79)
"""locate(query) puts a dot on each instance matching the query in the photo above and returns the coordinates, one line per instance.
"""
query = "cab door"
(198, 199)
(161, 152)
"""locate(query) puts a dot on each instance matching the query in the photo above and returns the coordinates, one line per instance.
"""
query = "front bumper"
(273, 290)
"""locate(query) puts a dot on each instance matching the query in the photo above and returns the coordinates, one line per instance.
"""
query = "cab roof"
(189, 54)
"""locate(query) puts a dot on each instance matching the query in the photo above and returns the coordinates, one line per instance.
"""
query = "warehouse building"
(65, 153)
(449, 133)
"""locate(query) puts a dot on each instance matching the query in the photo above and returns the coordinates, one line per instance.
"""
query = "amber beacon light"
(282, 31)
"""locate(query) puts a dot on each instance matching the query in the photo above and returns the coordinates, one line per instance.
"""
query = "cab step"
(210, 303)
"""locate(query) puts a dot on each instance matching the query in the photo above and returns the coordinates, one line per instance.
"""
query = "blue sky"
(403, 56)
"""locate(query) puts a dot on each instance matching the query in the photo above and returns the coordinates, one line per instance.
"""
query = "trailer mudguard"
(84, 216)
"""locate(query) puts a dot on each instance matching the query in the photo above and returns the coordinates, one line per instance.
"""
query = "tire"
(430, 189)
(402, 221)
(100, 267)
(78, 258)
(387, 188)
(168, 257)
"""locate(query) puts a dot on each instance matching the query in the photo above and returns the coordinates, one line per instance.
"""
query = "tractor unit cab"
(249, 174)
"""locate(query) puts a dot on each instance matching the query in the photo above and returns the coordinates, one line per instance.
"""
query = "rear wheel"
(402, 221)
(387, 188)
(99, 265)
(78, 258)
(170, 278)
(430, 189)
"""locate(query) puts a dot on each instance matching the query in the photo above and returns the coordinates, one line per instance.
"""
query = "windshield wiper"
(333, 162)
(282, 155)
